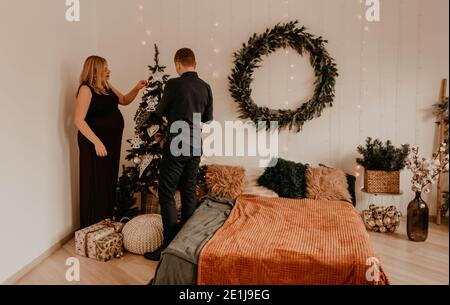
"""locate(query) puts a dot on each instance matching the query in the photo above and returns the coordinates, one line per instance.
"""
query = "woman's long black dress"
(98, 175)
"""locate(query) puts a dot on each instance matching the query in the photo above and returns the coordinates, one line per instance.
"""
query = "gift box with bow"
(85, 239)
(109, 246)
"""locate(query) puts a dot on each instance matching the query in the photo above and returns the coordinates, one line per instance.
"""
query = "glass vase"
(417, 219)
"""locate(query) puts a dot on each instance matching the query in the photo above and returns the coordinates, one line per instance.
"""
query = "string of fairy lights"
(289, 79)
(216, 50)
(141, 20)
(365, 28)
(418, 70)
(144, 42)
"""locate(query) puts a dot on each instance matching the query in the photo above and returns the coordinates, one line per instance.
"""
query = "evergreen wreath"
(249, 57)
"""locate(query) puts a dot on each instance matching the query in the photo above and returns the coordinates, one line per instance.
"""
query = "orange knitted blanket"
(290, 241)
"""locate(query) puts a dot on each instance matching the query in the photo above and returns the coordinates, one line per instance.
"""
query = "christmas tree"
(146, 146)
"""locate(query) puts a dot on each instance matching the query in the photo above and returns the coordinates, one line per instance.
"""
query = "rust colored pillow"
(225, 181)
(327, 184)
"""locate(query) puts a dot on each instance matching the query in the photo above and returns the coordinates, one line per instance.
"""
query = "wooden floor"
(129, 270)
(403, 261)
(414, 263)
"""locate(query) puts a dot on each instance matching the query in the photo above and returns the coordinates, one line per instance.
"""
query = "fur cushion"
(351, 180)
(327, 184)
(225, 181)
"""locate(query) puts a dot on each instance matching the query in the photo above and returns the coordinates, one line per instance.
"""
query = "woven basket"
(143, 233)
(382, 182)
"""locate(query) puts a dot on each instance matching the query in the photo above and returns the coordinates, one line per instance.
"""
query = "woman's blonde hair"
(91, 75)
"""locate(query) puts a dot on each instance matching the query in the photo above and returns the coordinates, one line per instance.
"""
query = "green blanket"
(178, 264)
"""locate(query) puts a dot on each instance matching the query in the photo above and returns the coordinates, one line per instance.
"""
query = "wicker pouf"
(143, 234)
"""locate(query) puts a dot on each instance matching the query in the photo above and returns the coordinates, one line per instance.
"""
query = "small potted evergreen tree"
(382, 164)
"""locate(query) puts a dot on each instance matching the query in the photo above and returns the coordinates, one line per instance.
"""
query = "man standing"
(185, 98)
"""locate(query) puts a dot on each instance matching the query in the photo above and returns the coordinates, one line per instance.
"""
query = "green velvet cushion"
(286, 178)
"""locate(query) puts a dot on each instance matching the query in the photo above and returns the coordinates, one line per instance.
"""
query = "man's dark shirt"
(184, 96)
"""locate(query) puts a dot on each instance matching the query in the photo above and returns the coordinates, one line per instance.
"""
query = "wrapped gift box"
(85, 238)
(109, 246)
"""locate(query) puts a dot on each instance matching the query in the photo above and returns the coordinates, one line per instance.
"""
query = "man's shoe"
(155, 255)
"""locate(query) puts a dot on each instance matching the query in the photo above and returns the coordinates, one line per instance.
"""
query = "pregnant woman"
(100, 125)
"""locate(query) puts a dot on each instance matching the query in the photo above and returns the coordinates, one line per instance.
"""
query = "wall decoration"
(250, 56)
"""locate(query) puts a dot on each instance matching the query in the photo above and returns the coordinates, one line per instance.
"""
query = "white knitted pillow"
(143, 233)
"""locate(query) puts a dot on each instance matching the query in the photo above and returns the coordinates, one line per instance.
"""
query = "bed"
(271, 241)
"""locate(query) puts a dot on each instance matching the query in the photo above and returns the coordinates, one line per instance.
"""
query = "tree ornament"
(136, 142)
(137, 160)
(152, 102)
(144, 164)
(152, 130)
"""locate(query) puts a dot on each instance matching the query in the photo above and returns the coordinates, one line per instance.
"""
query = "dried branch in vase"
(426, 171)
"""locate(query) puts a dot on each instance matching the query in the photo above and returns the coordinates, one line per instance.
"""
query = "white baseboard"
(22, 272)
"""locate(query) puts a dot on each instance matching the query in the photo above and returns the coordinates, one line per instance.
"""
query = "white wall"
(390, 72)
(40, 59)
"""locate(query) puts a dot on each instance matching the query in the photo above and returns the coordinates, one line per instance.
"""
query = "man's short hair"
(186, 57)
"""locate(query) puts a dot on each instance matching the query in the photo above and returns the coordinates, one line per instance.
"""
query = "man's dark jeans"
(177, 173)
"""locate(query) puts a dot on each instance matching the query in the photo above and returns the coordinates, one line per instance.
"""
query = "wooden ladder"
(441, 135)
